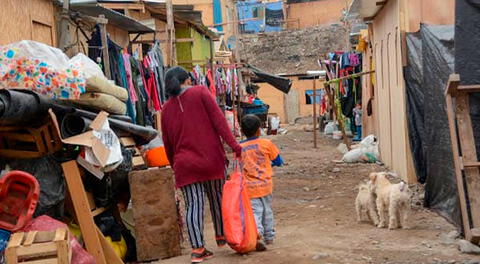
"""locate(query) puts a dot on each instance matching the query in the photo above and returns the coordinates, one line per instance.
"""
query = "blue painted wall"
(255, 9)
(217, 14)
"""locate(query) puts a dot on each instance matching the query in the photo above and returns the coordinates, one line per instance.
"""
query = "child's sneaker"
(221, 241)
(200, 254)
(260, 247)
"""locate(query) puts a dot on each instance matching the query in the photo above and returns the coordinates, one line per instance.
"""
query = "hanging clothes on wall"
(143, 79)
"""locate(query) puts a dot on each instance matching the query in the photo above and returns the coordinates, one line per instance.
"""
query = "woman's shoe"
(201, 254)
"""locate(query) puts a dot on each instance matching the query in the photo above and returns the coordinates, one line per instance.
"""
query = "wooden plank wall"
(27, 20)
(390, 91)
(368, 92)
(389, 120)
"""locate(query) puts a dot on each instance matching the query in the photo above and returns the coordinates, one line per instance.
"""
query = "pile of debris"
(293, 52)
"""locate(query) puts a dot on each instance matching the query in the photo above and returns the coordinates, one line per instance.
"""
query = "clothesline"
(351, 76)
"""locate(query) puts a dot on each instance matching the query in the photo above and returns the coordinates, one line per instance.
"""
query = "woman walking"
(193, 126)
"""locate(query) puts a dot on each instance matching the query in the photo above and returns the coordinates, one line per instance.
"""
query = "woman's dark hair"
(174, 78)
(250, 125)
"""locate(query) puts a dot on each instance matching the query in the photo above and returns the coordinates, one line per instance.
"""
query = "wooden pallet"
(21, 142)
(39, 247)
(464, 154)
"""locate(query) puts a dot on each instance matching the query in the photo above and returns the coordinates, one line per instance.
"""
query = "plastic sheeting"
(467, 55)
(22, 107)
(282, 84)
(49, 174)
(430, 62)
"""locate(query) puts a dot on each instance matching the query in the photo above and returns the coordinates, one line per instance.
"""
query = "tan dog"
(365, 204)
(393, 201)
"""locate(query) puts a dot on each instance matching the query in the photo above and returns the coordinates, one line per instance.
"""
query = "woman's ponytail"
(174, 78)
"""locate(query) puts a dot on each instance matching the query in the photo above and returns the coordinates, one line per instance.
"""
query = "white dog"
(365, 204)
(393, 201)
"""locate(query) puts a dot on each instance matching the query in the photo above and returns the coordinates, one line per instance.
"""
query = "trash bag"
(330, 128)
(49, 174)
(113, 184)
(365, 151)
(238, 219)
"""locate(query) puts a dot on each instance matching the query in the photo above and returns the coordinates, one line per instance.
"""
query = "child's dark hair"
(250, 125)
(174, 78)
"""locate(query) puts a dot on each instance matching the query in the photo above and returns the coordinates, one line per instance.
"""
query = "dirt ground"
(315, 217)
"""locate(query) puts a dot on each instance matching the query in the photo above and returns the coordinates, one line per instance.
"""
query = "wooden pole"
(106, 57)
(171, 34)
(64, 27)
(354, 75)
(314, 113)
(82, 211)
(241, 84)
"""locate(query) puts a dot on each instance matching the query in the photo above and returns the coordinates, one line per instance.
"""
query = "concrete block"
(155, 214)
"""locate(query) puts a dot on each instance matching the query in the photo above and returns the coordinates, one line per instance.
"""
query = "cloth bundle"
(103, 95)
(45, 70)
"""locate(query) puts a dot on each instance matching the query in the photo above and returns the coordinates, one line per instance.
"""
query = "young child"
(357, 111)
(258, 157)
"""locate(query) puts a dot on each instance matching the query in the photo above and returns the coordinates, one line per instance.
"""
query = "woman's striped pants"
(194, 195)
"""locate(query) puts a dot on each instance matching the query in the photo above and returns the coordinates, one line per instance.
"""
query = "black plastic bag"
(113, 184)
(49, 174)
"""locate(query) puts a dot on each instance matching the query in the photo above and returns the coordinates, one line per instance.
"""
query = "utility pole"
(64, 27)
(237, 53)
(172, 52)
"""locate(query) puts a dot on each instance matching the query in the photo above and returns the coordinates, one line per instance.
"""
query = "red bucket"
(19, 193)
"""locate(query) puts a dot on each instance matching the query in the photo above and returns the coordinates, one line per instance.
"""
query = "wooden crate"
(24, 142)
(39, 247)
(137, 158)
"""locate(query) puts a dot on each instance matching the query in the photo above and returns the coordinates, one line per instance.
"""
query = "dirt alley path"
(315, 217)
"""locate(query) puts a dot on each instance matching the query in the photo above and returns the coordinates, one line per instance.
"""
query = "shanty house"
(384, 92)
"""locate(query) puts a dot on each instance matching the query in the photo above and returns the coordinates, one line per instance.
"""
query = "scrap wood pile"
(72, 163)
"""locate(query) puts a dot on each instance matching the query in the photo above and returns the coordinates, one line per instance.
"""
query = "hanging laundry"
(128, 74)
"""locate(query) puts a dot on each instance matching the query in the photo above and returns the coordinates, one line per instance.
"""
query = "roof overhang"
(116, 19)
(366, 9)
(183, 14)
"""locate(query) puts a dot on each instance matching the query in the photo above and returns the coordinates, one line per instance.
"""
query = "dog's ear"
(373, 177)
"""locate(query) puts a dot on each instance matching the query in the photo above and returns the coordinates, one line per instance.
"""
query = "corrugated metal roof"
(115, 19)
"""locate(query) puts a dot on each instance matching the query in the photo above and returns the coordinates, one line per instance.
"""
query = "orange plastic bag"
(238, 219)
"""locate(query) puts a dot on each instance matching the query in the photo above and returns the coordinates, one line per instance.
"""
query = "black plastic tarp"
(467, 55)
(415, 97)
(282, 84)
(430, 62)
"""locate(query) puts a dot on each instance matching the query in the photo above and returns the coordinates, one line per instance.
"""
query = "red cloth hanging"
(151, 85)
(213, 90)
